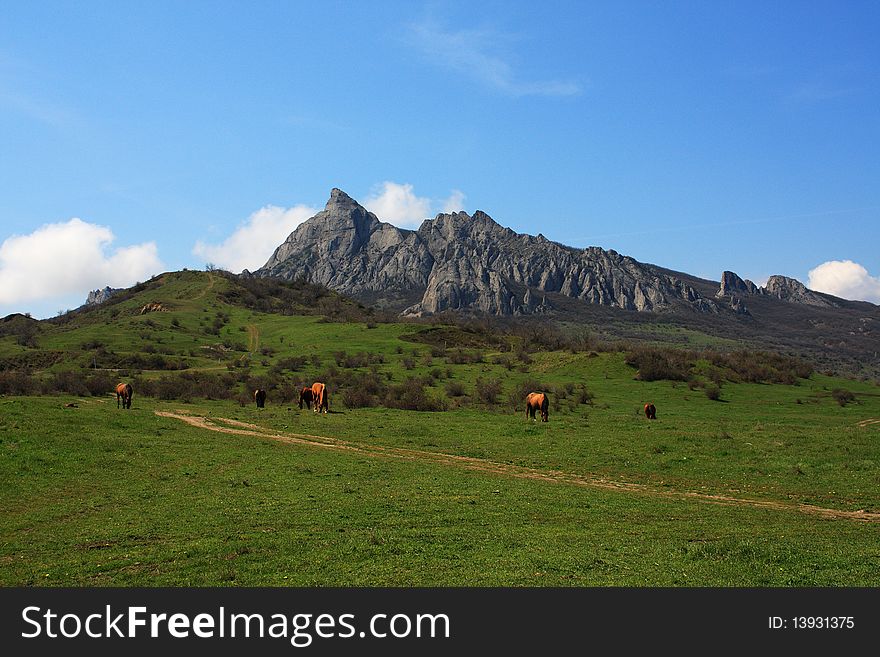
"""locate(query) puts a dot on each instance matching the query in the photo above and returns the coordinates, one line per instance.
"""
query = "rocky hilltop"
(780, 287)
(466, 263)
(100, 296)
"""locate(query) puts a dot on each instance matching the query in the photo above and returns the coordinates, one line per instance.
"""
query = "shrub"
(843, 396)
(487, 391)
(100, 384)
(358, 398)
(16, 383)
(713, 392)
(583, 395)
(655, 364)
(462, 357)
(291, 363)
(412, 396)
(70, 381)
(455, 389)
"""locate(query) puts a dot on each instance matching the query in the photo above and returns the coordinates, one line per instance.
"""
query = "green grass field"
(773, 485)
(96, 496)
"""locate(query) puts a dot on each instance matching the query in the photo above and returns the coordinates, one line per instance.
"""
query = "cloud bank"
(845, 279)
(398, 204)
(252, 244)
(61, 259)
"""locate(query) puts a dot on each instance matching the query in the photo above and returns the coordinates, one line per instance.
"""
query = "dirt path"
(253, 337)
(209, 287)
(224, 425)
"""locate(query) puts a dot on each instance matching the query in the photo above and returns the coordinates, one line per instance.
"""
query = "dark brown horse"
(538, 401)
(320, 397)
(260, 397)
(650, 411)
(123, 392)
(306, 395)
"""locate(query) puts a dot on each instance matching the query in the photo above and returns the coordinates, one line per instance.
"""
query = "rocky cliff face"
(465, 263)
(733, 284)
(781, 287)
(789, 289)
(100, 296)
(348, 249)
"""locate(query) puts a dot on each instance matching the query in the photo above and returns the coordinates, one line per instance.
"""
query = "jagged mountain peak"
(339, 199)
(791, 289)
(465, 262)
(781, 287)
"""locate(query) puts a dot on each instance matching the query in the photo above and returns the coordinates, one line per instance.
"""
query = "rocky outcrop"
(732, 284)
(790, 289)
(466, 263)
(153, 307)
(100, 296)
(780, 287)
(348, 249)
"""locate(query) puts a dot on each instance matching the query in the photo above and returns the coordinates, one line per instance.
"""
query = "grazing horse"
(306, 395)
(538, 401)
(123, 392)
(260, 397)
(650, 411)
(319, 396)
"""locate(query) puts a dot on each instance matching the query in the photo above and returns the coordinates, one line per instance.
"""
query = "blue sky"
(701, 136)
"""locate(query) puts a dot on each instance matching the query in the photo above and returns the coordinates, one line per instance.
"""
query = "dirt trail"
(225, 425)
(869, 422)
(206, 289)
(253, 337)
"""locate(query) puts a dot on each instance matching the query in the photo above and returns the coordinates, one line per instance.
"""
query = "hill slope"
(471, 265)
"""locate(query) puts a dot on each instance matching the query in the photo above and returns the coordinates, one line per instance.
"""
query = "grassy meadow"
(768, 485)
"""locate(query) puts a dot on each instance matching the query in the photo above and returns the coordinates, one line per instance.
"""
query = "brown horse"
(260, 397)
(320, 397)
(123, 392)
(650, 411)
(306, 395)
(538, 401)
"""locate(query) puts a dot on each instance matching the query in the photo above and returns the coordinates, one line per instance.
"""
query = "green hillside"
(757, 472)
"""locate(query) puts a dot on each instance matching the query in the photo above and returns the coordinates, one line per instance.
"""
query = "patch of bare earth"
(225, 425)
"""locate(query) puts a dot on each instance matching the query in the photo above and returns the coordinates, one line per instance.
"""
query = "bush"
(462, 357)
(412, 396)
(583, 395)
(16, 383)
(655, 364)
(358, 398)
(843, 396)
(455, 389)
(291, 363)
(487, 391)
(713, 392)
(100, 384)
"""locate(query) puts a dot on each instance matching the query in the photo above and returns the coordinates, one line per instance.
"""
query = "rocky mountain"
(470, 264)
(100, 296)
(466, 263)
(731, 284)
(789, 289)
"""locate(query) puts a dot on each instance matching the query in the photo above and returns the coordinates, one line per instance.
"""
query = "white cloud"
(398, 204)
(476, 53)
(253, 243)
(63, 259)
(845, 279)
(454, 202)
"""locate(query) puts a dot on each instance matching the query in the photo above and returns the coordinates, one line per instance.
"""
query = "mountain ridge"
(465, 263)
(473, 264)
